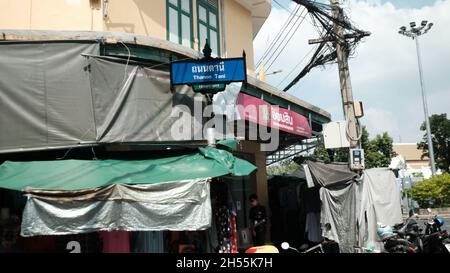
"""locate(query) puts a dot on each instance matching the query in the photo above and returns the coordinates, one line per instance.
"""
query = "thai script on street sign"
(208, 71)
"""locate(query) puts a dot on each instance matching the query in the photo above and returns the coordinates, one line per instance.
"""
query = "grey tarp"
(328, 175)
(339, 211)
(52, 96)
(134, 104)
(338, 197)
(379, 199)
(180, 205)
(45, 97)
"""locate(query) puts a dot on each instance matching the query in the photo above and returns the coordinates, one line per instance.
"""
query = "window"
(208, 25)
(179, 22)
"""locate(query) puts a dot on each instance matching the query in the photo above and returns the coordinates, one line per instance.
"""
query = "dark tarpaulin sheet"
(52, 96)
(338, 197)
(45, 97)
(134, 104)
(329, 175)
(339, 210)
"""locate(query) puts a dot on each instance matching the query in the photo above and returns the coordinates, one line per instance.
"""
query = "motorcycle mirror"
(429, 210)
(285, 245)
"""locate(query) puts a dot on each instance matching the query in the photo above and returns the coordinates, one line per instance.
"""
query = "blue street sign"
(208, 71)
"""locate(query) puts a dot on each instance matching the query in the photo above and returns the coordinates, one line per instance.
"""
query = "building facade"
(139, 34)
(416, 164)
(230, 25)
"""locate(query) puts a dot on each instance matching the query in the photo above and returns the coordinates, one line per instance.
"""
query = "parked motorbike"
(326, 246)
(394, 241)
(437, 242)
(408, 237)
(434, 239)
(433, 224)
(315, 249)
(410, 230)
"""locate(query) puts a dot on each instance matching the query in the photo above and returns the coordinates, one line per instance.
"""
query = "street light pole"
(414, 33)
(425, 109)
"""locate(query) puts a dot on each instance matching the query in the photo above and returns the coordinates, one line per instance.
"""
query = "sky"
(384, 69)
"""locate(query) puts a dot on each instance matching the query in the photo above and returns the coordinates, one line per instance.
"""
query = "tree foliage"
(433, 192)
(283, 167)
(440, 137)
(321, 153)
(379, 151)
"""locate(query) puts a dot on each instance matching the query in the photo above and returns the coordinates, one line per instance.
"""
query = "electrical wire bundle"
(325, 22)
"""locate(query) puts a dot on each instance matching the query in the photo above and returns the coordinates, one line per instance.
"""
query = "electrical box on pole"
(357, 159)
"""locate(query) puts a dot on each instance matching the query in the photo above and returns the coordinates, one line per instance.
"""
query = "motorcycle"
(315, 249)
(410, 231)
(433, 224)
(408, 237)
(326, 246)
(435, 240)
(394, 240)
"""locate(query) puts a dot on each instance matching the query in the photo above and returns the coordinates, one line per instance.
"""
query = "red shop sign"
(263, 113)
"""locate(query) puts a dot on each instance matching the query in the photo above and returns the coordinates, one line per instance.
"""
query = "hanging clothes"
(38, 244)
(223, 230)
(225, 213)
(234, 243)
(115, 241)
(313, 227)
(148, 242)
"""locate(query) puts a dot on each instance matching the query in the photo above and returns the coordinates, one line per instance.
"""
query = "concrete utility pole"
(414, 33)
(342, 52)
(343, 44)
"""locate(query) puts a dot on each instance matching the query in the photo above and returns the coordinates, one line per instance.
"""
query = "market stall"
(67, 197)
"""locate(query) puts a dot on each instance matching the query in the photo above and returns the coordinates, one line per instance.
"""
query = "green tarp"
(232, 144)
(86, 174)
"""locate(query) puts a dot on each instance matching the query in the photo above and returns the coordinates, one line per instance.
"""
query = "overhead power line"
(289, 39)
(279, 34)
(295, 67)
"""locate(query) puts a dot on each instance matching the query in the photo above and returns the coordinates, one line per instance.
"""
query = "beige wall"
(15, 14)
(142, 17)
(51, 14)
(239, 32)
(417, 164)
(409, 151)
(411, 154)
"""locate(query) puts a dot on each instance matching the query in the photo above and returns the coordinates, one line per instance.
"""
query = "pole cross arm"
(346, 36)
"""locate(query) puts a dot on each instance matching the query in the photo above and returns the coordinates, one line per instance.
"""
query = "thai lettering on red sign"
(263, 113)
